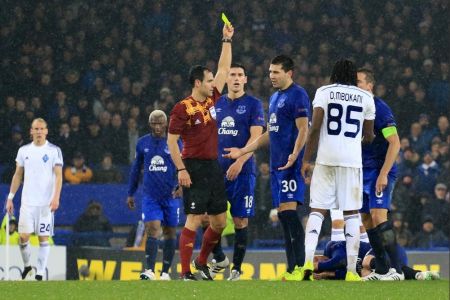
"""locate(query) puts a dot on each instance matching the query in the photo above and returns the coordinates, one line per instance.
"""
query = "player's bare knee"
(218, 222)
(378, 216)
(323, 212)
(240, 223)
(338, 224)
(367, 221)
(169, 233)
(193, 222)
(24, 238)
(287, 206)
(153, 229)
(43, 239)
(350, 212)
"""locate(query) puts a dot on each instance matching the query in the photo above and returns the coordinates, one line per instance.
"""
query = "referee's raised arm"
(225, 58)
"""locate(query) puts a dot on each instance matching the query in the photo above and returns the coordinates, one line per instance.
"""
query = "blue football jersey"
(160, 173)
(284, 107)
(234, 119)
(374, 154)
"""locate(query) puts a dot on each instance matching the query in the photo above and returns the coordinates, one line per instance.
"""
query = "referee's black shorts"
(207, 191)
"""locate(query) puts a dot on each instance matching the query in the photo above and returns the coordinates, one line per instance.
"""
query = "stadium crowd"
(96, 69)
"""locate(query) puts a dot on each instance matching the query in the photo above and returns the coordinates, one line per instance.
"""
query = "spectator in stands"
(439, 89)
(75, 128)
(60, 101)
(443, 129)
(65, 141)
(429, 237)
(78, 172)
(403, 235)
(107, 172)
(84, 110)
(404, 196)
(417, 140)
(427, 174)
(19, 117)
(91, 224)
(408, 162)
(9, 151)
(117, 135)
(263, 200)
(437, 207)
(133, 136)
(427, 131)
(36, 106)
(95, 144)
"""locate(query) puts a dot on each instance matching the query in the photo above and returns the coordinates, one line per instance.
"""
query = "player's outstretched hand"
(233, 153)
(234, 170)
(9, 206)
(54, 204)
(291, 160)
(184, 179)
(381, 184)
(306, 166)
(130, 203)
(228, 31)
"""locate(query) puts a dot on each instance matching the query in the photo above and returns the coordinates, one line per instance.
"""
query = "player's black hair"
(370, 76)
(237, 65)
(344, 72)
(197, 73)
(287, 64)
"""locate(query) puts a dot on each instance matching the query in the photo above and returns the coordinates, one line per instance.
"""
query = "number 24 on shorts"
(44, 227)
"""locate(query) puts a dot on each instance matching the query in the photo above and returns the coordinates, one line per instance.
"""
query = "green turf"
(257, 289)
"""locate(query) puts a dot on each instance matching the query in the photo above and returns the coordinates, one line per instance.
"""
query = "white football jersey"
(345, 109)
(39, 178)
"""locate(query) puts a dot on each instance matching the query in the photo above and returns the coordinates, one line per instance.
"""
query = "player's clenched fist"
(228, 31)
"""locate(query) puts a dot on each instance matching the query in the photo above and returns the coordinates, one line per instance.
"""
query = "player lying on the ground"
(332, 264)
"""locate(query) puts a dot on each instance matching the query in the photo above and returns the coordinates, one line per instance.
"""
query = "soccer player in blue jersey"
(240, 121)
(289, 115)
(333, 263)
(161, 203)
(379, 175)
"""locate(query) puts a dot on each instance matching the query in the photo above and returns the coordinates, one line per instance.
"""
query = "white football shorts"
(336, 188)
(37, 219)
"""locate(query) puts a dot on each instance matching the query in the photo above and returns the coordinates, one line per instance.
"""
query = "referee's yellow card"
(225, 20)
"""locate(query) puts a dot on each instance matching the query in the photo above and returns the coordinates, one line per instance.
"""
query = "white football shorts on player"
(336, 188)
(37, 219)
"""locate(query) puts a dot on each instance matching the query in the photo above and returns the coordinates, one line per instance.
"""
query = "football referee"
(199, 173)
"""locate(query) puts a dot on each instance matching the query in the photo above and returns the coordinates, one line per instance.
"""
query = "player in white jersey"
(340, 110)
(41, 162)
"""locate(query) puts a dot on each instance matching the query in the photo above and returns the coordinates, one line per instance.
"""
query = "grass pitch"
(256, 289)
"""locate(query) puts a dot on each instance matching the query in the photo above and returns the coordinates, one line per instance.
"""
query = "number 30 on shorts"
(288, 186)
(44, 227)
